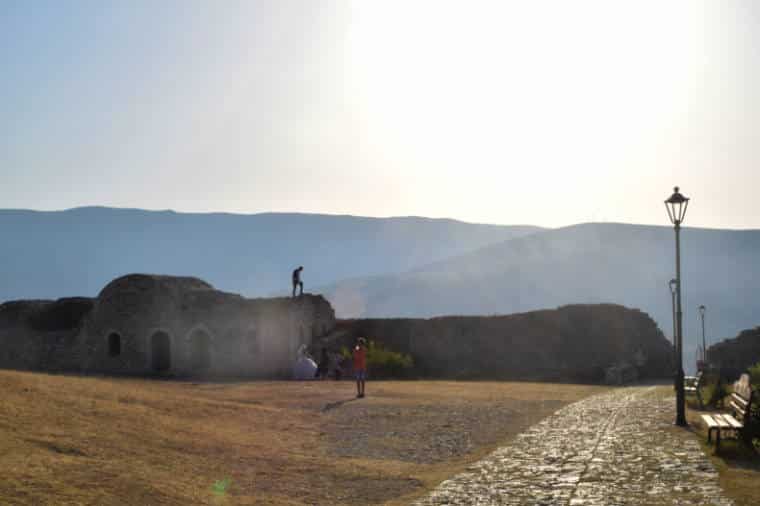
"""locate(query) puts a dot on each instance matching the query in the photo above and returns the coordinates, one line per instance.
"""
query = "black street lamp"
(676, 206)
(672, 285)
(702, 311)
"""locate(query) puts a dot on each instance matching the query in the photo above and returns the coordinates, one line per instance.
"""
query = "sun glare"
(500, 86)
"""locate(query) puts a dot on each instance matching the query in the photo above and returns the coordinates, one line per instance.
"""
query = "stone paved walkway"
(614, 448)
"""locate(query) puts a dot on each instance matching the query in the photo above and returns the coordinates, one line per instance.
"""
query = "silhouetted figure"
(323, 366)
(341, 364)
(297, 280)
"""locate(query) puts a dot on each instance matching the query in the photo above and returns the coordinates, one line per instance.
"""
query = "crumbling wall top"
(147, 282)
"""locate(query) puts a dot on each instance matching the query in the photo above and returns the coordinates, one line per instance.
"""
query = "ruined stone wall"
(571, 343)
(42, 335)
(144, 325)
(734, 356)
(128, 310)
(209, 332)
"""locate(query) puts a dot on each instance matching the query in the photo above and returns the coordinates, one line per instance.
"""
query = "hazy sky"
(548, 113)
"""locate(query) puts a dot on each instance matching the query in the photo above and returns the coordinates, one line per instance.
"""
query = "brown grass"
(105, 441)
(737, 465)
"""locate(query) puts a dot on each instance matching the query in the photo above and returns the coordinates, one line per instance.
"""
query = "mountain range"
(77, 251)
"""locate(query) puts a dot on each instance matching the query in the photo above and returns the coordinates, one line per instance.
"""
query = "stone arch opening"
(114, 344)
(200, 350)
(161, 351)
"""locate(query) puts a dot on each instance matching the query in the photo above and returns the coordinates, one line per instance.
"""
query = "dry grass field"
(106, 441)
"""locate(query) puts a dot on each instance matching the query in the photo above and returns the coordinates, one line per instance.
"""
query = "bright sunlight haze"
(548, 113)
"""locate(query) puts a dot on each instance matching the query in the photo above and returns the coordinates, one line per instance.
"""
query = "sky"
(546, 113)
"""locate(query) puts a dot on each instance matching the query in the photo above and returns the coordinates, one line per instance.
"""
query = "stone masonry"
(616, 448)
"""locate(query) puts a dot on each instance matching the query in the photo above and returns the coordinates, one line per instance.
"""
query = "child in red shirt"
(360, 366)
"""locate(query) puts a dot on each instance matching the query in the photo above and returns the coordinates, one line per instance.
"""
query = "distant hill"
(76, 252)
(582, 264)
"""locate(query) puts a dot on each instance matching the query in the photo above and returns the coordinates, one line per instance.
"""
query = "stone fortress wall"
(181, 326)
(588, 343)
(147, 324)
(734, 356)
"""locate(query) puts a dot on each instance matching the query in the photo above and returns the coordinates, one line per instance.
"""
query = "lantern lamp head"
(676, 206)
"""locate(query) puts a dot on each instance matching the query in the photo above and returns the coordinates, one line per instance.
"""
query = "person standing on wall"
(360, 366)
(297, 280)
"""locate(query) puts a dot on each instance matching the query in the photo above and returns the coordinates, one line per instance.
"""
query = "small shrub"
(382, 362)
(718, 392)
(387, 363)
(754, 376)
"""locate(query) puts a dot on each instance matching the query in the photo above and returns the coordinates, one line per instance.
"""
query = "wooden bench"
(741, 401)
(692, 385)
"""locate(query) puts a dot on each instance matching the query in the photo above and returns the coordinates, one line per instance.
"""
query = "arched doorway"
(114, 344)
(200, 350)
(161, 351)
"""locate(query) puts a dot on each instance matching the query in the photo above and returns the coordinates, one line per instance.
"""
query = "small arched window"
(114, 344)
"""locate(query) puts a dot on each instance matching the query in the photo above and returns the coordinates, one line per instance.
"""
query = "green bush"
(716, 392)
(387, 363)
(754, 376)
(384, 363)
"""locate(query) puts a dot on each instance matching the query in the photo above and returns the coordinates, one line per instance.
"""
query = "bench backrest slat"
(741, 399)
(739, 411)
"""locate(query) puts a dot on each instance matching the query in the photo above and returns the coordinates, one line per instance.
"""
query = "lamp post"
(702, 311)
(676, 206)
(672, 285)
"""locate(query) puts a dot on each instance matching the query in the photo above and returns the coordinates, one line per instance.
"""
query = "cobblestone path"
(614, 448)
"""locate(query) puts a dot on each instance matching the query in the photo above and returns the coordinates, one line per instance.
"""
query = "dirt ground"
(106, 441)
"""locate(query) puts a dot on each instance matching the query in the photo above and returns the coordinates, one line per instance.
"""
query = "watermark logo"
(219, 488)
